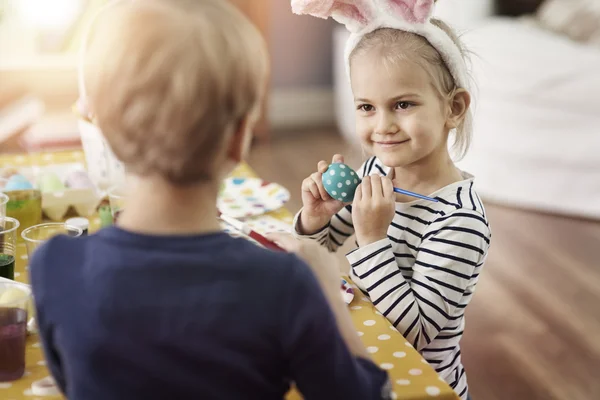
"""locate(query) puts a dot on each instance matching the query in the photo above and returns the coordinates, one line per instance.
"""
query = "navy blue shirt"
(130, 316)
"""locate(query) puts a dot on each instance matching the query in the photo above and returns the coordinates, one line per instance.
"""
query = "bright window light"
(48, 14)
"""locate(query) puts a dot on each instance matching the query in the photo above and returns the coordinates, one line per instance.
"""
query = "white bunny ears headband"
(364, 16)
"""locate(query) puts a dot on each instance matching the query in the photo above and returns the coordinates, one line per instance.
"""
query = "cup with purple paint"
(14, 300)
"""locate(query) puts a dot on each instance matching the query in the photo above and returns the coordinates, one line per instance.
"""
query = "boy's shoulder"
(218, 247)
(57, 260)
(60, 247)
(64, 256)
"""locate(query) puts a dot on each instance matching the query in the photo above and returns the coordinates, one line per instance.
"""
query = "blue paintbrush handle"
(419, 196)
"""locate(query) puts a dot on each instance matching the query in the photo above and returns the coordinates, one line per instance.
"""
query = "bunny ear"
(355, 14)
(316, 8)
(413, 11)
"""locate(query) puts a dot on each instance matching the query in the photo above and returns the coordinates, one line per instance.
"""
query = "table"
(413, 378)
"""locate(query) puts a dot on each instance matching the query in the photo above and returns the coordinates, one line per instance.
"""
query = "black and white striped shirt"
(423, 275)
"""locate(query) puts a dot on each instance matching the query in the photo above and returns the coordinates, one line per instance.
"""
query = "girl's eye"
(403, 105)
(366, 107)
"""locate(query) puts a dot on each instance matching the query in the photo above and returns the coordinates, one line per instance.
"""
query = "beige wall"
(301, 48)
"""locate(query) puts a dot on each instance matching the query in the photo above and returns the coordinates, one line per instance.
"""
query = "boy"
(165, 305)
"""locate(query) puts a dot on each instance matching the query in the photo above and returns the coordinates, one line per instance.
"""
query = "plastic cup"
(3, 202)
(25, 206)
(14, 299)
(36, 235)
(8, 247)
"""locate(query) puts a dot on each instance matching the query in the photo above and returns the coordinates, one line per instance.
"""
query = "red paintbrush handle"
(264, 241)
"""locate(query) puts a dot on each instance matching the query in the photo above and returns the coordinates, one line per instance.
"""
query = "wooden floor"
(533, 328)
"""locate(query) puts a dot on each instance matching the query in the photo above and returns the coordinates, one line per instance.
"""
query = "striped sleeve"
(340, 228)
(449, 257)
(335, 233)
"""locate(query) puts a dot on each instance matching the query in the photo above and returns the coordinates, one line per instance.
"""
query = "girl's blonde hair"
(168, 79)
(401, 45)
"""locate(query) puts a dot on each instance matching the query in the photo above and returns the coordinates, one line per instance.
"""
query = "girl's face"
(400, 116)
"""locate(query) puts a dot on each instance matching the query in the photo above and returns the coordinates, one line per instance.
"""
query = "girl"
(419, 261)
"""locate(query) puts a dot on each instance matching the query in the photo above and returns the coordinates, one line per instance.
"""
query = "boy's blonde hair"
(168, 80)
(401, 45)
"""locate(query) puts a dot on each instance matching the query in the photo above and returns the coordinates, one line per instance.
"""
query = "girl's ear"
(412, 11)
(460, 101)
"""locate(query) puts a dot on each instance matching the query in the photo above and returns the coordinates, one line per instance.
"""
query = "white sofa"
(536, 115)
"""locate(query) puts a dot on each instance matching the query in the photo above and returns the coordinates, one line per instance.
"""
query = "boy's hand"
(318, 206)
(323, 263)
(373, 209)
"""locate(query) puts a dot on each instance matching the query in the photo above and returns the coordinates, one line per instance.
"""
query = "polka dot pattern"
(432, 390)
(336, 183)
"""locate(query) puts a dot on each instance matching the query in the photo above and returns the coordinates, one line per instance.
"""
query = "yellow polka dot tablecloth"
(412, 377)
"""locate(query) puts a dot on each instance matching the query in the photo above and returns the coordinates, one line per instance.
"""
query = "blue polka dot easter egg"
(340, 181)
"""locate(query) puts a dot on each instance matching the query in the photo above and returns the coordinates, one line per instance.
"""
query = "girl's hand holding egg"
(318, 206)
(373, 209)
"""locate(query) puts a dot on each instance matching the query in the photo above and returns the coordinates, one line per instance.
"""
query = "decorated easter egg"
(79, 179)
(17, 182)
(50, 182)
(340, 181)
